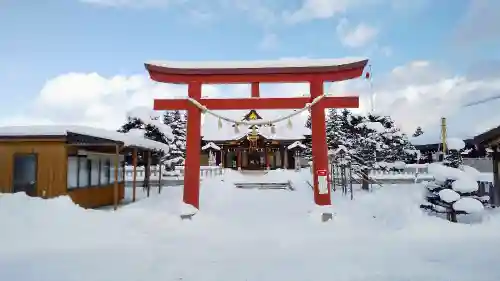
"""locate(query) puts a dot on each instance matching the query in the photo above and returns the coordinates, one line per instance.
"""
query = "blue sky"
(42, 39)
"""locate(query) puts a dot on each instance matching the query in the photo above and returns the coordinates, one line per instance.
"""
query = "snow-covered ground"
(261, 235)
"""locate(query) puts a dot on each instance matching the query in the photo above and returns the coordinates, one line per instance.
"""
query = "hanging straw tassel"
(236, 129)
(273, 129)
(220, 124)
(289, 124)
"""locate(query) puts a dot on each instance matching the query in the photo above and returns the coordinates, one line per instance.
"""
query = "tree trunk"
(365, 181)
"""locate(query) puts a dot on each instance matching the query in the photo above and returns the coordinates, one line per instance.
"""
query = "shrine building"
(255, 147)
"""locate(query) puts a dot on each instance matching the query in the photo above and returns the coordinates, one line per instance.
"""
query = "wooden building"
(432, 152)
(85, 163)
(491, 139)
(256, 147)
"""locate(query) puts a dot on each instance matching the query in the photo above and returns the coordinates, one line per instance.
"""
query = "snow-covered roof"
(296, 144)
(211, 132)
(210, 145)
(283, 63)
(131, 139)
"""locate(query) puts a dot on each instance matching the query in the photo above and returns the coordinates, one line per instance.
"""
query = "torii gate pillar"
(191, 194)
(314, 72)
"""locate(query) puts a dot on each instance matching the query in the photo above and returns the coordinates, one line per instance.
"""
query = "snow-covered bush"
(454, 190)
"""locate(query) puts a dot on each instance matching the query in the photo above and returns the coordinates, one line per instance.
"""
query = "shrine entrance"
(314, 72)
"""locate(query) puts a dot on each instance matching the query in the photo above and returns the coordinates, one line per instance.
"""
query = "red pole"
(319, 147)
(193, 143)
(255, 90)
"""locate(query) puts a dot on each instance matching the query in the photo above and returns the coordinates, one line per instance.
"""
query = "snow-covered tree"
(146, 122)
(394, 146)
(177, 144)
(454, 190)
(334, 135)
(418, 132)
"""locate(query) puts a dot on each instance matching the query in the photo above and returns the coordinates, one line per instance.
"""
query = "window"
(83, 172)
(94, 171)
(120, 171)
(105, 171)
(112, 172)
(72, 172)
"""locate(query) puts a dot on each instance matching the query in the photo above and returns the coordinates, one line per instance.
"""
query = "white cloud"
(355, 36)
(318, 9)
(416, 94)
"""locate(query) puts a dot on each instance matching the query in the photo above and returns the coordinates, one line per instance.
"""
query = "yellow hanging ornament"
(220, 124)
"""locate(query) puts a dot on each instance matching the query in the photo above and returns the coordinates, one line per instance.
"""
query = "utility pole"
(443, 134)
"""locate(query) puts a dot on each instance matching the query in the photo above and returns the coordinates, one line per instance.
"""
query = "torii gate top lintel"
(280, 71)
(314, 72)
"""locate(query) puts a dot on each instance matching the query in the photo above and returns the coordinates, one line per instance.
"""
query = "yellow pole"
(443, 133)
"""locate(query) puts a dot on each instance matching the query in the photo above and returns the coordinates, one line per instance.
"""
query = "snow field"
(245, 235)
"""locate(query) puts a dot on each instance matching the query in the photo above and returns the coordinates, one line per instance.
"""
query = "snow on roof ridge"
(257, 64)
(63, 130)
(212, 145)
(295, 144)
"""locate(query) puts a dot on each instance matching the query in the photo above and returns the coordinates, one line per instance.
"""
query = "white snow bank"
(448, 195)
(468, 205)
(455, 143)
(259, 235)
(133, 139)
(442, 173)
(471, 172)
(465, 185)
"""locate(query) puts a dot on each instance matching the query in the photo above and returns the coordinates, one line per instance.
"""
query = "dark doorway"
(25, 170)
(254, 160)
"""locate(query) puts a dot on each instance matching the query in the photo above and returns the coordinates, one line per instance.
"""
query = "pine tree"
(333, 133)
(177, 144)
(394, 145)
(454, 191)
(418, 132)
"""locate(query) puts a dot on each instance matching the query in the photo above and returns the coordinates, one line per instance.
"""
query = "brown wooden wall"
(51, 172)
(52, 165)
(96, 196)
(204, 159)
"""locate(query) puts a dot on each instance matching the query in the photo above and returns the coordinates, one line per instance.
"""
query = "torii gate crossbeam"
(314, 72)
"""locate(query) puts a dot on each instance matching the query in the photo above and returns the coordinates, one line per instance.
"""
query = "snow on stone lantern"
(297, 147)
(211, 148)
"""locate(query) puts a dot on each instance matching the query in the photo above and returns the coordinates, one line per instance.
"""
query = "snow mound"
(448, 195)
(455, 144)
(468, 205)
(261, 235)
(465, 184)
(443, 173)
(471, 172)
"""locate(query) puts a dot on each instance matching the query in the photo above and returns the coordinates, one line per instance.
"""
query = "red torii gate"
(314, 72)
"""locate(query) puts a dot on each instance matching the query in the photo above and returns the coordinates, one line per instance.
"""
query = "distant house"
(432, 152)
(491, 140)
(49, 161)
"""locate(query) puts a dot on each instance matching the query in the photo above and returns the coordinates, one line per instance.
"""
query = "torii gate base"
(321, 71)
